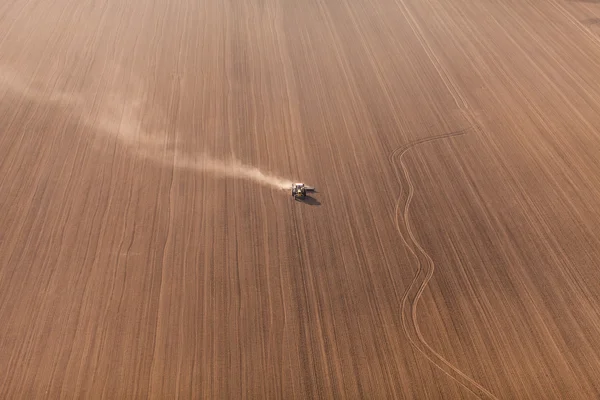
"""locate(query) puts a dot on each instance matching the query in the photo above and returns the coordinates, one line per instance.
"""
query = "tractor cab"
(298, 190)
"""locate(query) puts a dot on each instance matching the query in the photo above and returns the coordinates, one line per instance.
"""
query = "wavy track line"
(424, 274)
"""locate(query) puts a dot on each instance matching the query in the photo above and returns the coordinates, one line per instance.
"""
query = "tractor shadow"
(311, 201)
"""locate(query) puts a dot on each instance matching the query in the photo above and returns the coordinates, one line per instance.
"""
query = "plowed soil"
(452, 249)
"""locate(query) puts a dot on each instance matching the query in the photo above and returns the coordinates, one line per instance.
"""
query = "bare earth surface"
(452, 250)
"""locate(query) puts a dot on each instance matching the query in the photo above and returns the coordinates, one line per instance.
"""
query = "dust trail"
(120, 117)
(232, 169)
(121, 120)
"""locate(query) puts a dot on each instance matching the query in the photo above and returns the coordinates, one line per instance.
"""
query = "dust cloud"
(119, 116)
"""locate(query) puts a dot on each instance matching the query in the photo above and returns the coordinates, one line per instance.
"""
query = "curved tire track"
(425, 270)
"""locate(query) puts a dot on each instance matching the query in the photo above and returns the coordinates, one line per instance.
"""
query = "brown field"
(452, 250)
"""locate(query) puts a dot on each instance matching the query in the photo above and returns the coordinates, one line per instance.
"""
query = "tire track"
(425, 270)
(467, 111)
(581, 27)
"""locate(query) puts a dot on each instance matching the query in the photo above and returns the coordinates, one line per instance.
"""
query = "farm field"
(150, 248)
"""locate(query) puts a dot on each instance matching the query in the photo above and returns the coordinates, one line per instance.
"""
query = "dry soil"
(452, 250)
